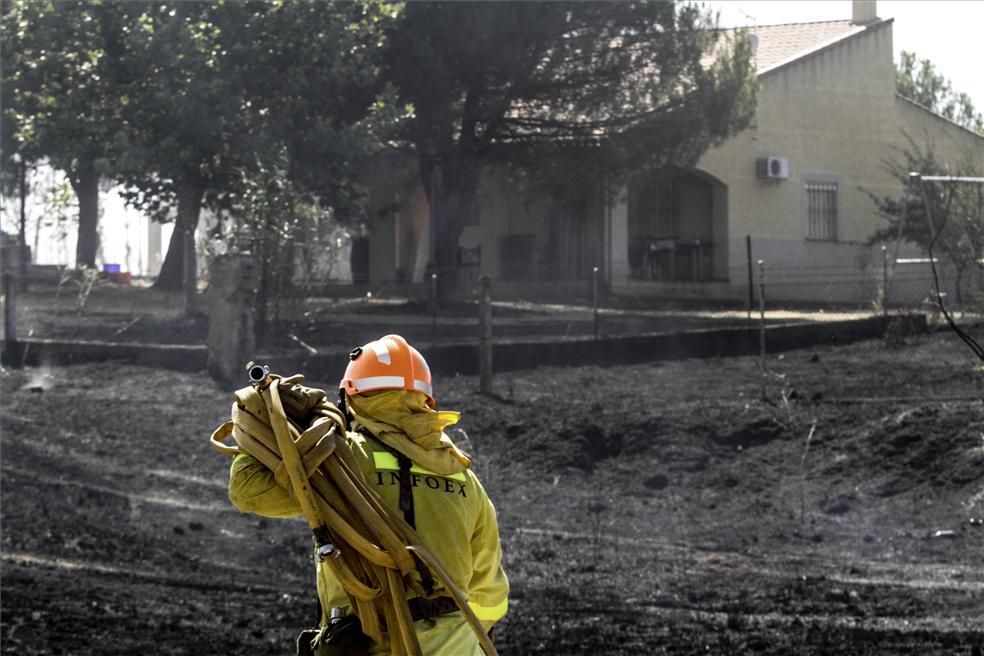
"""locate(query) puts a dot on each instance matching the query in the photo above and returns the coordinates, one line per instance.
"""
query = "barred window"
(655, 207)
(821, 210)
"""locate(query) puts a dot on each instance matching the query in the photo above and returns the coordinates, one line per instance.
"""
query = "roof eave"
(939, 116)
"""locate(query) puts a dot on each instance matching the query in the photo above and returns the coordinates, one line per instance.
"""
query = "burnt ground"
(832, 505)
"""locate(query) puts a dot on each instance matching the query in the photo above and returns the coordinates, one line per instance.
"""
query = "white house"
(793, 185)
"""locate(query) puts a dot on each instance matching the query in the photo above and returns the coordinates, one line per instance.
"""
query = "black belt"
(422, 609)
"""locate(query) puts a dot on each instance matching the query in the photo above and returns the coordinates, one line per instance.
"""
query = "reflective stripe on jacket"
(453, 515)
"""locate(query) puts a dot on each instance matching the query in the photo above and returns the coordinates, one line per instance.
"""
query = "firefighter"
(398, 439)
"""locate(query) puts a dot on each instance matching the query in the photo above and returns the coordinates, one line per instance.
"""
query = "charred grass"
(652, 509)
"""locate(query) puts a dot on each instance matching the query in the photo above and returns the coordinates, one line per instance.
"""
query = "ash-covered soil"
(833, 504)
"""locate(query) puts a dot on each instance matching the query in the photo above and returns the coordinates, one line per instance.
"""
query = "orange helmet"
(387, 363)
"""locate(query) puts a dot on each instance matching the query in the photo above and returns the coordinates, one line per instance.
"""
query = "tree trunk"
(453, 197)
(24, 255)
(959, 287)
(175, 269)
(85, 183)
(263, 291)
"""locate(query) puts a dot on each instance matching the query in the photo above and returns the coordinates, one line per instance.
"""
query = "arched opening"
(677, 224)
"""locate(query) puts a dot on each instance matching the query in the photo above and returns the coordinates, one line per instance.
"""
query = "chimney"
(863, 12)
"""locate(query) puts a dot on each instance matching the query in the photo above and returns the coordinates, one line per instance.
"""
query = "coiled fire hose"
(300, 436)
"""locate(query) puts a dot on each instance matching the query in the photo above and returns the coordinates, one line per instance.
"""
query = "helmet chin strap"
(343, 406)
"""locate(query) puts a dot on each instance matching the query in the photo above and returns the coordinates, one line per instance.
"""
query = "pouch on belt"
(341, 637)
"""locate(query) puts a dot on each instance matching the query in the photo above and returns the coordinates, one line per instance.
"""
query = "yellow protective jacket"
(454, 516)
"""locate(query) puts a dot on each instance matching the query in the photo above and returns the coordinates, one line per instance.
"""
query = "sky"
(947, 32)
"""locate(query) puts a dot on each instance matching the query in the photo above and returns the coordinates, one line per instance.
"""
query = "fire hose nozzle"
(257, 372)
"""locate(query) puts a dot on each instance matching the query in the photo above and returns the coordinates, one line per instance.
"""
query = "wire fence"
(316, 318)
(786, 284)
(908, 283)
(543, 309)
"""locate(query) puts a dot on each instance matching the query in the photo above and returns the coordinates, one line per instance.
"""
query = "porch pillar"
(618, 238)
(154, 241)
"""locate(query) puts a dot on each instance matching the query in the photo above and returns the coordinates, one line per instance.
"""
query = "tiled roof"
(778, 44)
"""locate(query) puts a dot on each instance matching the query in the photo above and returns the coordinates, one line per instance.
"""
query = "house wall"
(413, 234)
(831, 115)
(719, 233)
(950, 142)
(594, 232)
(567, 240)
(398, 213)
(952, 145)
(834, 115)
(504, 210)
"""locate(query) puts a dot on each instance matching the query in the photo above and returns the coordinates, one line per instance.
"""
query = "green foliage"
(56, 211)
(177, 99)
(956, 228)
(314, 94)
(227, 83)
(530, 73)
(63, 77)
(197, 102)
(902, 329)
(85, 280)
(60, 77)
(919, 81)
(233, 89)
(59, 212)
(565, 92)
(289, 234)
(13, 152)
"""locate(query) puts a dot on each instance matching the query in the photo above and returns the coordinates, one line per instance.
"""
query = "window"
(654, 208)
(821, 210)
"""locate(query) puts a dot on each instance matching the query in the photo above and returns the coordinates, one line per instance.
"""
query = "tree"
(313, 88)
(956, 231)
(186, 111)
(62, 79)
(18, 159)
(623, 85)
(919, 81)
(232, 88)
(318, 110)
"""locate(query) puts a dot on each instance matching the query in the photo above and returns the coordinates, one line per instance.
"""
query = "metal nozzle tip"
(257, 372)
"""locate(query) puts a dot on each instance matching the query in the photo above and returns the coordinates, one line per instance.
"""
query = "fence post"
(433, 299)
(761, 264)
(23, 252)
(9, 309)
(189, 270)
(485, 337)
(751, 283)
(595, 293)
(884, 300)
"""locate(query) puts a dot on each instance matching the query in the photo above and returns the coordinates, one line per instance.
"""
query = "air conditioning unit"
(772, 168)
